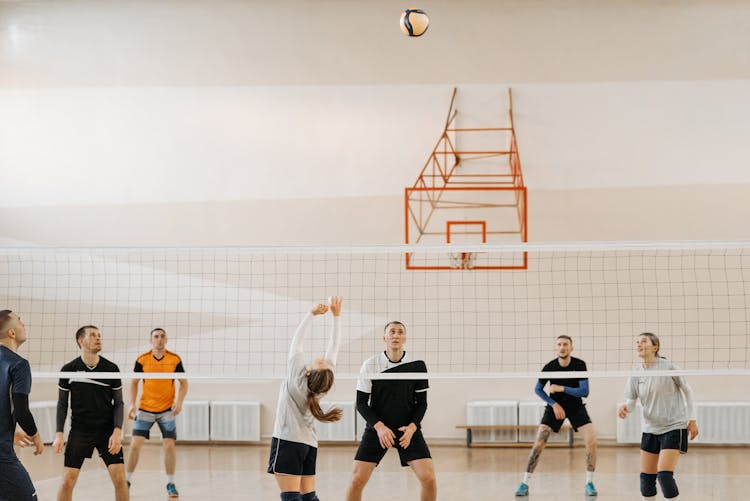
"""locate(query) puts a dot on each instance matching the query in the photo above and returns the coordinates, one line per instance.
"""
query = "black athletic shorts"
(371, 451)
(577, 416)
(292, 458)
(81, 445)
(675, 439)
(15, 483)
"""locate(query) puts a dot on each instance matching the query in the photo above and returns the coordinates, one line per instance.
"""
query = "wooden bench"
(471, 443)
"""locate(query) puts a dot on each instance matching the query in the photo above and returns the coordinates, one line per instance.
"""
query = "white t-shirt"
(294, 421)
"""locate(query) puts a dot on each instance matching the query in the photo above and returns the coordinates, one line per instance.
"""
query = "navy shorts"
(292, 458)
(675, 439)
(15, 483)
(577, 416)
(81, 445)
(370, 450)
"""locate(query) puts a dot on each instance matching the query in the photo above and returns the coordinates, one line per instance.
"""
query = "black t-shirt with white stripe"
(91, 400)
(393, 400)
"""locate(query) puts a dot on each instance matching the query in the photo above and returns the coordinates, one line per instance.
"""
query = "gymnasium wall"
(296, 122)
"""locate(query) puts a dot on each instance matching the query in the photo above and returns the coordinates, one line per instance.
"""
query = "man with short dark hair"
(15, 386)
(565, 400)
(393, 409)
(158, 404)
(97, 413)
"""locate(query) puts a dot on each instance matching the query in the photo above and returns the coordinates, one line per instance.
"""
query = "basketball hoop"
(462, 260)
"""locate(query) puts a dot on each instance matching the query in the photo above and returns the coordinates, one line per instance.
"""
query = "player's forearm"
(420, 408)
(182, 392)
(364, 409)
(23, 414)
(689, 400)
(134, 392)
(332, 351)
(581, 392)
(119, 407)
(62, 410)
(297, 345)
(539, 390)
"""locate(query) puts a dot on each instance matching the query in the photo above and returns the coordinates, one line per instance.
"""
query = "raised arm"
(298, 340)
(332, 351)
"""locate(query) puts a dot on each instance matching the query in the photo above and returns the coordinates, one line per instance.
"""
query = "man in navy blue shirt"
(15, 386)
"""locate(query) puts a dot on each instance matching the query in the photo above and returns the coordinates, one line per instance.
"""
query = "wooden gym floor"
(224, 472)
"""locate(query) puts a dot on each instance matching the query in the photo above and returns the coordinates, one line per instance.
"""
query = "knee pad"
(648, 485)
(310, 496)
(667, 484)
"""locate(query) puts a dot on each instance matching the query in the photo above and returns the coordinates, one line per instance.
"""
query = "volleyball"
(414, 22)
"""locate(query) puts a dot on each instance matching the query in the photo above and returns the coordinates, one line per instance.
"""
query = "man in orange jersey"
(157, 405)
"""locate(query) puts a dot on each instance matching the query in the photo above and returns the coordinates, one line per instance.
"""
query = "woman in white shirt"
(294, 447)
(668, 418)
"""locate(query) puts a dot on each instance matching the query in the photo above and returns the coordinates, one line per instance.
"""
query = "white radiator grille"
(531, 413)
(723, 422)
(192, 422)
(343, 430)
(629, 429)
(235, 421)
(493, 412)
(45, 418)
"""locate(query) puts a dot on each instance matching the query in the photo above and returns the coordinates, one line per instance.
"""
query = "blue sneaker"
(523, 490)
(172, 490)
(591, 490)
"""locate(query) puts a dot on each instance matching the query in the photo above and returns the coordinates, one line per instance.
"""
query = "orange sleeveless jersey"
(158, 394)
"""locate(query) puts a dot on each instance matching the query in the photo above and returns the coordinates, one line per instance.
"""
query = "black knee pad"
(648, 485)
(310, 496)
(667, 484)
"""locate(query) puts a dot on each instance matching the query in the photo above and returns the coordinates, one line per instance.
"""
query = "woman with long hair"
(668, 418)
(294, 447)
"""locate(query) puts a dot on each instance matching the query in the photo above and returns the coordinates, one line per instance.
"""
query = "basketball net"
(462, 260)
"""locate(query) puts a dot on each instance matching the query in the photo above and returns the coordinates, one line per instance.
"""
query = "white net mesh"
(231, 312)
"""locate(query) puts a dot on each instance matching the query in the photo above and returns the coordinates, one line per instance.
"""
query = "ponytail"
(318, 383)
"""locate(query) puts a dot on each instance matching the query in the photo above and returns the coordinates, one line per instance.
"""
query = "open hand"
(385, 435)
(405, 439)
(115, 442)
(336, 305)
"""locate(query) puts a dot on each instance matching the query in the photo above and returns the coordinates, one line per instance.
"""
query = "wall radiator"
(723, 422)
(344, 430)
(45, 418)
(493, 412)
(234, 421)
(629, 429)
(718, 423)
(531, 413)
(192, 422)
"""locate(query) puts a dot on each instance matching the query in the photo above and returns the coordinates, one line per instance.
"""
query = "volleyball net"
(231, 312)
